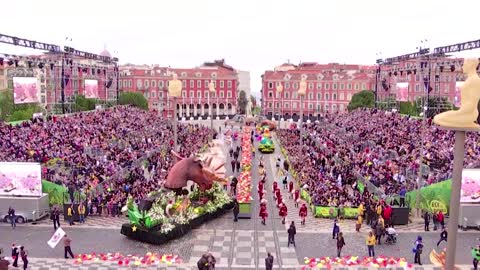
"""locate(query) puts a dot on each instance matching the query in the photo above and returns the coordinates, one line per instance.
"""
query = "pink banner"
(91, 89)
(402, 91)
(470, 192)
(458, 96)
(25, 90)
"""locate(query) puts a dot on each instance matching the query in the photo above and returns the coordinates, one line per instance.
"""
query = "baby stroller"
(391, 236)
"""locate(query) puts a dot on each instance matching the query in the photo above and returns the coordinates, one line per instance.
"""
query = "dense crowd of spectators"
(119, 151)
(382, 147)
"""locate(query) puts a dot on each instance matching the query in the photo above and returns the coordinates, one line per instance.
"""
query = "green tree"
(435, 105)
(133, 98)
(15, 112)
(362, 99)
(85, 104)
(242, 102)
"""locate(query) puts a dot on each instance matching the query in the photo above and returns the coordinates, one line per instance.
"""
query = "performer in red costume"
(263, 213)
(275, 186)
(278, 196)
(296, 197)
(303, 213)
(290, 189)
(283, 212)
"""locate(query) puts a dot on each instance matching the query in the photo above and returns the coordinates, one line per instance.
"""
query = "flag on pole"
(56, 238)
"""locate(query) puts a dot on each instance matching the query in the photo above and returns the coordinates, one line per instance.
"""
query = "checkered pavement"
(242, 248)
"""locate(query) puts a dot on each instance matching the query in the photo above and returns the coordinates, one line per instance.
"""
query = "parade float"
(172, 211)
(244, 187)
(266, 144)
(382, 262)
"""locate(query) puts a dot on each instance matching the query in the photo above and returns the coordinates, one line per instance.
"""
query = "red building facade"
(196, 100)
(330, 88)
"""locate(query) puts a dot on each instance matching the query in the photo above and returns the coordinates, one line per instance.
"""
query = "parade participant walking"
(233, 186)
(443, 236)
(269, 261)
(340, 244)
(81, 213)
(441, 219)
(233, 163)
(15, 255)
(290, 189)
(291, 234)
(336, 229)
(55, 216)
(371, 244)
(238, 166)
(283, 212)
(426, 221)
(236, 210)
(263, 213)
(70, 213)
(417, 250)
(285, 182)
(303, 213)
(24, 255)
(68, 250)
(12, 217)
(476, 256)
(296, 197)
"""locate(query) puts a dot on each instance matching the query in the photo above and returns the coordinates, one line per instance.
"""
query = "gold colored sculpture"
(439, 259)
(302, 90)
(175, 87)
(466, 116)
(211, 87)
(279, 88)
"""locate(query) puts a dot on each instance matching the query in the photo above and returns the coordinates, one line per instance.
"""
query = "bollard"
(34, 218)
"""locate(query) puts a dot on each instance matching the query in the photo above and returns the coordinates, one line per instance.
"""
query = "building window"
(198, 74)
(184, 74)
(270, 85)
(417, 87)
(139, 84)
(199, 94)
(310, 95)
(129, 83)
(417, 78)
(184, 93)
(222, 94)
(191, 94)
(192, 83)
(356, 86)
(146, 95)
(364, 86)
(334, 96)
(229, 84)
(285, 105)
(154, 83)
(295, 85)
(349, 97)
(319, 96)
(270, 94)
(319, 86)
(286, 95)
(160, 84)
(342, 86)
(184, 83)
(445, 89)
(334, 86)
(326, 107)
(294, 105)
(153, 94)
(310, 106)
(270, 105)
(229, 94)
(205, 94)
(294, 95)
(326, 96)
(327, 86)
(160, 94)
(287, 85)
(199, 84)
(349, 86)
(342, 96)
(437, 88)
(222, 84)
(310, 86)
(206, 84)
(214, 75)
(214, 95)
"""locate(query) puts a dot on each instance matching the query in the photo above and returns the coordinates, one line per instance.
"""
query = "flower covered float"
(355, 261)
(266, 144)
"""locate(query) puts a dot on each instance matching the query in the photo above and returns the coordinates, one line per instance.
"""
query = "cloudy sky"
(252, 35)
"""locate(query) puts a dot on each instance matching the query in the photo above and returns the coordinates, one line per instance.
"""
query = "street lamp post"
(302, 90)
(211, 89)
(279, 91)
(175, 90)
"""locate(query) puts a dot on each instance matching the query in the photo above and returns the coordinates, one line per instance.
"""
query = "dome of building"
(105, 53)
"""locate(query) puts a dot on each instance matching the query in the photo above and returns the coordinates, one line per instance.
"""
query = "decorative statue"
(201, 171)
(175, 86)
(439, 259)
(302, 90)
(249, 108)
(466, 116)
(269, 123)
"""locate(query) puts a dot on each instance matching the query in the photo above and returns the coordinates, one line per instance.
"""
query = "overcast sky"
(252, 35)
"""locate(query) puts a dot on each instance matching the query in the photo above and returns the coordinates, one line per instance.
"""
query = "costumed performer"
(290, 189)
(275, 186)
(296, 197)
(303, 213)
(283, 212)
(263, 213)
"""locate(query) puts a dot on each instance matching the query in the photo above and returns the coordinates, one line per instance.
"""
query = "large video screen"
(20, 179)
(25, 90)
(470, 186)
(91, 89)
(402, 91)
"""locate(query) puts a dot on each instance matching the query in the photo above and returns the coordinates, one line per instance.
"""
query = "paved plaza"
(236, 245)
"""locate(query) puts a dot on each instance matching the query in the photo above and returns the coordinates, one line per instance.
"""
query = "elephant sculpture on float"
(269, 123)
(201, 169)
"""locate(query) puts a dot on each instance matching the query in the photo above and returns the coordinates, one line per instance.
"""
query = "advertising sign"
(25, 90)
(20, 179)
